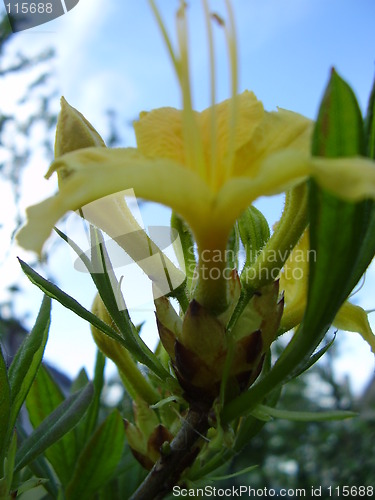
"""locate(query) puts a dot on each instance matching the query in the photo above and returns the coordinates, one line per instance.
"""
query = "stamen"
(192, 136)
(213, 132)
(165, 36)
(232, 49)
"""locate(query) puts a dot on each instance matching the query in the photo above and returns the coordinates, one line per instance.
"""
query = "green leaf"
(251, 426)
(67, 301)
(26, 362)
(337, 232)
(305, 416)
(98, 460)
(80, 381)
(8, 469)
(370, 125)
(234, 474)
(40, 467)
(310, 362)
(105, 283)
(87, 425)
(54, 427)
(337, 227)
(4, 406)
(368, 245)
(187, 259)
(43, 398)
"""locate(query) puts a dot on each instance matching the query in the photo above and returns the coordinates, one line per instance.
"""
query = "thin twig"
(181, 454)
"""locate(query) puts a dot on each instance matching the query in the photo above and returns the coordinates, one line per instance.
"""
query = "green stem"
(135, 382)
(273, 256)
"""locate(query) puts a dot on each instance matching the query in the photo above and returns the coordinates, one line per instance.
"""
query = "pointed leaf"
(337, 232)
(99, 459)
(67, 301)
(131, 341)
(310, 362)
(337, 228)
(43, 398)
(186, 258)
(6, 481)
(370, 125)
(26, 362)
(234, 474)
(40, 467)
(4, 406)
(306, 416)
(56, 425)
(80, 381)
(87, 425)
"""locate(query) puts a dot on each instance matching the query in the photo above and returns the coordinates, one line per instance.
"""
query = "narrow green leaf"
(219, 460)
(120, 315)
(305, 416)
(40, 467)
(9, 462)
(43, 398)
(4, 406)
(260, 415)
(56, 425)
(251, 426)
(105, 282)
(310, 362)
(67, 301)
(187, 259)
(234, 474)
(87, 425)
(80, 381)
(98, 460)
(370, 125)
(26, 362)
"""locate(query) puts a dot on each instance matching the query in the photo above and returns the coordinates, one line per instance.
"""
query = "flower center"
(214, 170)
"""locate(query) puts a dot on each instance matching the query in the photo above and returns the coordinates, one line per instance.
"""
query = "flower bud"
(147, 435)
(74, 131)
(199, 344)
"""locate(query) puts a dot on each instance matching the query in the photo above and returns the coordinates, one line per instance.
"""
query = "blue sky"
(110, 55)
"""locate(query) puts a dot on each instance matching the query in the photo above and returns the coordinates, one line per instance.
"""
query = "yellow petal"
(250, 115)
(353, 318)
(350, 178)
(97, 172)
(279, 173)
(293, 281)
(276, 131)
(112, 215)
(159, 134)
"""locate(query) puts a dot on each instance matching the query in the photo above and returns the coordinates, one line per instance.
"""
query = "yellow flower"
(294, 281)
(207, 166)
